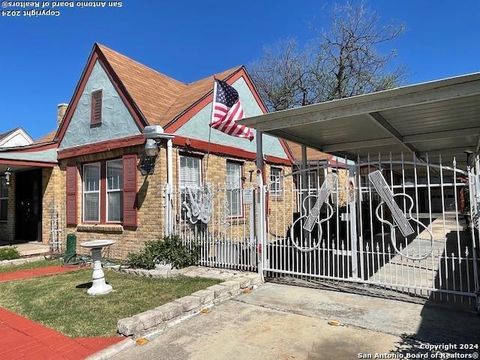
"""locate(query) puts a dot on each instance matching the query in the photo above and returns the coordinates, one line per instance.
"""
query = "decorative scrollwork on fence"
(401, 220)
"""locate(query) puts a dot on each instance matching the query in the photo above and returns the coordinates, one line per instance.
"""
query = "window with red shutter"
(130, 190)
(71, 189)
(96, 111)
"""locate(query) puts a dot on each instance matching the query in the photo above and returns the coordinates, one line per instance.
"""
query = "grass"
(61, 301)
(30, 265)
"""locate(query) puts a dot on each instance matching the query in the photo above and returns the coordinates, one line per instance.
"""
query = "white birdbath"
(99, 287)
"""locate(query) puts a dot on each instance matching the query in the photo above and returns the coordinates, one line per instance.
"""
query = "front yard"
(61, 301)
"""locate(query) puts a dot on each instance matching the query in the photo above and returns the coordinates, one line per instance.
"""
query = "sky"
(42, 58)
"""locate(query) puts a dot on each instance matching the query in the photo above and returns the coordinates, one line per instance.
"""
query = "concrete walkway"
(286, 322)
(29, 248)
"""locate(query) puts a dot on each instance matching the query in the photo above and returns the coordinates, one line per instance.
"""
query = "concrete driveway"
(287, 322)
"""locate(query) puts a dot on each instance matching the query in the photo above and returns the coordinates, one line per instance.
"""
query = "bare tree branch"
(344, 61)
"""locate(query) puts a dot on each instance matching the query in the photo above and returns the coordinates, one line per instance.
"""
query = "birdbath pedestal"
(99, 286)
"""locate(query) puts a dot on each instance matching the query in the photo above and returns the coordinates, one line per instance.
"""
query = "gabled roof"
(151, 97)
(153, 92)
(193, 92)
(160, 98)
(11, 134)
(5, 134)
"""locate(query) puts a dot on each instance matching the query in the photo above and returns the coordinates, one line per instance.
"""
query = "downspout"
(169, 210)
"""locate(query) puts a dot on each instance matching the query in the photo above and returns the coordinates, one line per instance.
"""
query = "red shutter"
(71, 206)
(130, 190)
(96, 111)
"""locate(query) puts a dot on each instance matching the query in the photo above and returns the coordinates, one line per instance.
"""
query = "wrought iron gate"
(400, 224)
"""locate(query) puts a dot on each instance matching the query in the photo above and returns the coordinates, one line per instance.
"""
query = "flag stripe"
(227, 110)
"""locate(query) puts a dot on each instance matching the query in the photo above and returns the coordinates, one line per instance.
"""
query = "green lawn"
(61, 301)
(30, 265)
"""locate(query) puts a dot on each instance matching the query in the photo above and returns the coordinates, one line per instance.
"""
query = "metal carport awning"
(439, 118)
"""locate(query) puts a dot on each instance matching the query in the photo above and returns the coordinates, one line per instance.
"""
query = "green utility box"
(71, 248)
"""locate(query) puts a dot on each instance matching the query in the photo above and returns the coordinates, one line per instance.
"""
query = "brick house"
(90, 173)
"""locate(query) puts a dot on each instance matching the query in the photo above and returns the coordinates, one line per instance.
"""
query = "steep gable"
(153, 92)
(197, 127)
(117, 121)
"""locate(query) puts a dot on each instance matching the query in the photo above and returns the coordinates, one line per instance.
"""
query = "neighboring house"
(89, 170)
(15, 137)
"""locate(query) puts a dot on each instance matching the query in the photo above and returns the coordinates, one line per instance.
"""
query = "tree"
(343, 61)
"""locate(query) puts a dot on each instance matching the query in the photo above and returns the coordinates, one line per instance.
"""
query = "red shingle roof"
(46, 138)
(312, 154)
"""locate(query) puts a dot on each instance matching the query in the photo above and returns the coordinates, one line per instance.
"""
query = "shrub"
(9, 253)
(169, 250)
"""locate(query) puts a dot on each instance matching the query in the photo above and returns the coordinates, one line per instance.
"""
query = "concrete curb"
(152, 323)
(112, 350)
(183, 308)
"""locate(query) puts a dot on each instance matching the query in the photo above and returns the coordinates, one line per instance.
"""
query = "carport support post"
(260, 206)
(352, 210)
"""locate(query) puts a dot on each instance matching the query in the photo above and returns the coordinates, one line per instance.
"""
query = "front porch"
(25, 177)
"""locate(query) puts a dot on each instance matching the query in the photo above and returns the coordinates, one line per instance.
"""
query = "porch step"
(30, 248)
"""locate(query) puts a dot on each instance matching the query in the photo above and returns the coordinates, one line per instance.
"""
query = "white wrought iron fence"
(218, 223)
(402, 225)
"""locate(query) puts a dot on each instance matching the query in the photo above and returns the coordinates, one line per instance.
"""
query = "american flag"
(227, 109)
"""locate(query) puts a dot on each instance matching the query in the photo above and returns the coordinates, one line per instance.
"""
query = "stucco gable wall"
(117, 121)
(198, 126)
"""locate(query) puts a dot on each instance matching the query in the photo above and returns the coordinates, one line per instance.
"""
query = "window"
(3, 199)
(190, 172)
(114, 191)
(91, 192)
(190, 178)
(103, 191)
(96, 110)
(234, 186)
(276, 181)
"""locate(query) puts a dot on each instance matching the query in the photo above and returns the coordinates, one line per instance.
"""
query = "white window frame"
(107, 191)
(3, 179)
(99, 164)
(228, 189)
(181, 186)
(276, 192)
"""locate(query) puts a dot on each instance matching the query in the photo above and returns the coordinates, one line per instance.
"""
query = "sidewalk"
(25, 339)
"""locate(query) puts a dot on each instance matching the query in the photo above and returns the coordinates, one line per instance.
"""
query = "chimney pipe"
(61, 110)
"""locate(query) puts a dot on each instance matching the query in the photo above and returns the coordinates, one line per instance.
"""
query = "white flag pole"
(211, 121)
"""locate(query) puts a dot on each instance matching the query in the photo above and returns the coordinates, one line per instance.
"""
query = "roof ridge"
(10, 132)
(232, 70)
(104, 47)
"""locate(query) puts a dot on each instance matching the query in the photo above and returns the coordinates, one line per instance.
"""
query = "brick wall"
(150, 199)
(53, 186)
